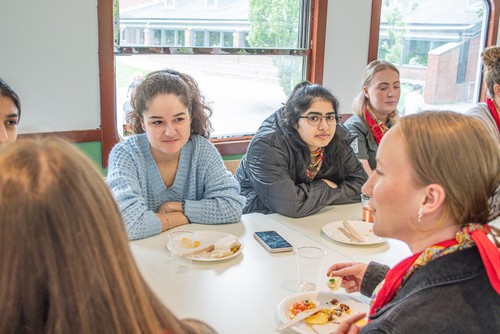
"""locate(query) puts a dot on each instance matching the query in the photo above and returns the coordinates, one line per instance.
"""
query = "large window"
(245, 54)
(436, 46)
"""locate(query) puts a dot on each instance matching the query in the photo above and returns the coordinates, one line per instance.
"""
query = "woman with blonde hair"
(65, 259)
(374, 110)
(451, 283)
(489, 112)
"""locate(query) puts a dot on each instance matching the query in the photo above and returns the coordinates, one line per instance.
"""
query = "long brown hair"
(65, 259)
(454, 151)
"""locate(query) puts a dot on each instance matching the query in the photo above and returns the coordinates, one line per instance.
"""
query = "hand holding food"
(352, 274)
(334, 282)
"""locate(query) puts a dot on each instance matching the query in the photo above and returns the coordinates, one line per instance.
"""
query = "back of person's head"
(183, 86)
(67, 267)
(302, 97)
(7, 91)
(370, 70)
(454, 151)
(491, 61)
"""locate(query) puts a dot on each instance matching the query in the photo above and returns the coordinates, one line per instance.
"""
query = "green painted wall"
(233, 157)
(94, 152)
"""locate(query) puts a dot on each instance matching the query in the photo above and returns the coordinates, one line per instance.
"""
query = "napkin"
(225, 246)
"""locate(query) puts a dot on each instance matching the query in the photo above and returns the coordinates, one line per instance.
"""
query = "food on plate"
(222, 248)
(330, 313)
(319, 318)
(225, 247)
(301, 306)
(188, 243)
(334, 282)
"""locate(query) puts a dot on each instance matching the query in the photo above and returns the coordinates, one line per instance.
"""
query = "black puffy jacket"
(268, 175)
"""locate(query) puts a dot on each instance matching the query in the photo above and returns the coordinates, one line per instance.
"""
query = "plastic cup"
(366, 213)
(309, 264)
(181, 244)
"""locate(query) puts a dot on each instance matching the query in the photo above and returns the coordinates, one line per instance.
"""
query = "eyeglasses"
(315, 120)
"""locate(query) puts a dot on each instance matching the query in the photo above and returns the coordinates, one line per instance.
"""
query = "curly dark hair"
(169, 81)
(301, 99)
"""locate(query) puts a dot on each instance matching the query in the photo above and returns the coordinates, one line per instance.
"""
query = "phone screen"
(273, 240)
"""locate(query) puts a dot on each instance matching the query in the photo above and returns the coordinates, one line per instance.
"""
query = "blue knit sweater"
(211, 194)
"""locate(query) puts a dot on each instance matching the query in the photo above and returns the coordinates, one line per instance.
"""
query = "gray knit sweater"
(211, 194)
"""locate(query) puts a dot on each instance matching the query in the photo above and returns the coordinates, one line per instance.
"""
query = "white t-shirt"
(414, 102)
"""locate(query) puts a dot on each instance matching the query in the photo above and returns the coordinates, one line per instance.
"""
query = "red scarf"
(488, 251)
(377, 127)
(494, 111)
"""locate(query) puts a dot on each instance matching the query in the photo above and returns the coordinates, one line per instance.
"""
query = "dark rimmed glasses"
(315, 120)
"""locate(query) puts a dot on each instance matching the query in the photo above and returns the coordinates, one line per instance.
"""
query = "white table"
(241, 295)
(390, 252)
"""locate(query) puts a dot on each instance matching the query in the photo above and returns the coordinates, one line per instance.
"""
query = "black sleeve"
(375, 273)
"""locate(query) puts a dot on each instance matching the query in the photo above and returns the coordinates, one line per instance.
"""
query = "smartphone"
(272, 241)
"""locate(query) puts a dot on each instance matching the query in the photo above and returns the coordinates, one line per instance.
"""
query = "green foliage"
(275, 24)
(392, 48)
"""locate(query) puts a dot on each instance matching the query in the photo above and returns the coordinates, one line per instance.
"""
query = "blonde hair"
(454, 151)
(360, 101)
(66, 261)
(491, 61)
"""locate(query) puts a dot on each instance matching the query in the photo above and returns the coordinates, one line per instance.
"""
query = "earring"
(420, 213)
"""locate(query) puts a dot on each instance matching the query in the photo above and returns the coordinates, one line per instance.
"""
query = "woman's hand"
(330, 183)
(171, 219)
(171, 207)
(348, 326)
(352, 274)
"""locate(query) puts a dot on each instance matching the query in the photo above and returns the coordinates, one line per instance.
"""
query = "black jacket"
(451, 294)
(270, 181)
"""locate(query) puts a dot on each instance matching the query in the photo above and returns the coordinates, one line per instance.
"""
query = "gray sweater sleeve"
(375, 273)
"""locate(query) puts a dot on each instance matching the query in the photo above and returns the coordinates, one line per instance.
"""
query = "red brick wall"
(441, 77)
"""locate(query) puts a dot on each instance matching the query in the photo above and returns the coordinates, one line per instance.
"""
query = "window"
(436, 46)
(245, 58)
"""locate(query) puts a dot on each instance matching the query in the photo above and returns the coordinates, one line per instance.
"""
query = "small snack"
(319, 318)
(225, 247)
(334, 282)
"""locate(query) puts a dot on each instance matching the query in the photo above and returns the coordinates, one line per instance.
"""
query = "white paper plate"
(322, 298)
(207, 238)
(364, 229)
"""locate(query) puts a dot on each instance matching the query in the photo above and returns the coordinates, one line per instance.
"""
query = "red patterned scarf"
(377, 127)
(494, 112)
(470, 235)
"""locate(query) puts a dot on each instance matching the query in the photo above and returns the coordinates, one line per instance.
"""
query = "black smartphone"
(272, 241)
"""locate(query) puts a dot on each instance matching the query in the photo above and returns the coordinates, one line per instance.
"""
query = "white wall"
(48, 54)
(346, 53)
